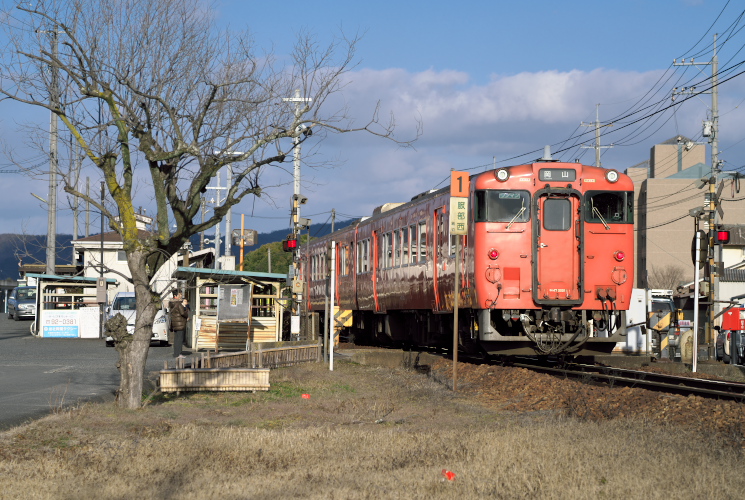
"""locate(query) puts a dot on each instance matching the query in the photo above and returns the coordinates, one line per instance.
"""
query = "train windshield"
(502, 206)
(608, 207)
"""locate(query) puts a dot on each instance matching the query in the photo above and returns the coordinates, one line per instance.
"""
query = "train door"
(557, 276)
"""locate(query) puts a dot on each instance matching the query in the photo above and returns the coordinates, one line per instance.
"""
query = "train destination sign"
(557, 174)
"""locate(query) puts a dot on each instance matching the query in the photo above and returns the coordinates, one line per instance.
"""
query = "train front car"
(553, 258)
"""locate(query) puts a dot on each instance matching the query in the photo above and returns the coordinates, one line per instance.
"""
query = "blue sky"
(490, 81)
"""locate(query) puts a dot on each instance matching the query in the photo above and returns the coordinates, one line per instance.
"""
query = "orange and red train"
(546, 267)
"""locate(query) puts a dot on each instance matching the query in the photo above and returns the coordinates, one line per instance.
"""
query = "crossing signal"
(289, 245)
(721, 236)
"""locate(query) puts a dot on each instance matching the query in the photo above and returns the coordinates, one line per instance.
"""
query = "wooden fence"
(235, 371)
(260, 355)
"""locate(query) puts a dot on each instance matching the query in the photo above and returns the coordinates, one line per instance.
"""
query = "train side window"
(404, 246)
(557, 214)
(422, 241)
(381, 251)
(343, 260)
(389, 250)
(359, 257)
(362, 256)
(413, 233)
(609, 207)
(397, 248)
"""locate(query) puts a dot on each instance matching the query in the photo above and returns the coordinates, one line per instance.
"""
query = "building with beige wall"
(666, 190)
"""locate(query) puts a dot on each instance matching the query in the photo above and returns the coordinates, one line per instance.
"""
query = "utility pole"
(76, 201)
(87, 206)
(53, 159)
(333, 219)
(201, 234)
(229, 215)
(297, 198)
(597, 126)
(711, 130)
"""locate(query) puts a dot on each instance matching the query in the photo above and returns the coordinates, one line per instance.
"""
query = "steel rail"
(649, 380)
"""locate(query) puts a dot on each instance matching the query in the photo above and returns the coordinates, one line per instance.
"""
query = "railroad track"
(720, 389)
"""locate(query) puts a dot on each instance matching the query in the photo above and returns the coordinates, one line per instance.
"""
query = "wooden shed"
(231, 308)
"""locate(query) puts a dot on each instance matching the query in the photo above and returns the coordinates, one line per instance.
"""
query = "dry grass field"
(365, 432)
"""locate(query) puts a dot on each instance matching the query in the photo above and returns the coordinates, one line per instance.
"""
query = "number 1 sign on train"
(460, 186)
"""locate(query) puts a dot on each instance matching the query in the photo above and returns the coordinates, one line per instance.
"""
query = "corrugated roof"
(224, 273)
(67, 278)
(111, 237)
(733, 275)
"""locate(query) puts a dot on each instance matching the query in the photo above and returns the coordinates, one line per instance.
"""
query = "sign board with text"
(460, 184)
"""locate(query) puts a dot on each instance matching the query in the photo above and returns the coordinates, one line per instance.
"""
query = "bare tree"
(668, 277)
(158, 97)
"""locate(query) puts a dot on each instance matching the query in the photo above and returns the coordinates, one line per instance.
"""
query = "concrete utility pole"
(333, 219)
(597, 126)
(76, 201)
(87, 206)
(229, 215)
(217, 189)
(711, 130)
(297, 198)
(53, 159)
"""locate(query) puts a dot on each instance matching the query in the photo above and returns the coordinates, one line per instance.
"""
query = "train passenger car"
(546, 267)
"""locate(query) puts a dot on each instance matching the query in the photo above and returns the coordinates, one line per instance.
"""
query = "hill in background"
(31, 249)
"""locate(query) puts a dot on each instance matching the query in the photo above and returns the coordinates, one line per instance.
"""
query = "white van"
(125, 303)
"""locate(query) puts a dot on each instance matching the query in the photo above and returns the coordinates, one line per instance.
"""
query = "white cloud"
(464, 125)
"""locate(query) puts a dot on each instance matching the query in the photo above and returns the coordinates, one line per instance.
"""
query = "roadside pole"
(695, 301)
(331, 306)
(460, 187)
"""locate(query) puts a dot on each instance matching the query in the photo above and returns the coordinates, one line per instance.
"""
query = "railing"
(260, 355)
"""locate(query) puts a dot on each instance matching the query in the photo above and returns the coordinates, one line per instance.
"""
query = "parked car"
(724, 346)
(22, 303)
(124, 303)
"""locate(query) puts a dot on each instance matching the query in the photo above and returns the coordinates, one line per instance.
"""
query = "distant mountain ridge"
(32, 249)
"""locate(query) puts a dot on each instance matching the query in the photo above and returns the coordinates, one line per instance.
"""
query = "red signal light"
(493, 254)
(619, 255)
(722, 236)
(289, 245)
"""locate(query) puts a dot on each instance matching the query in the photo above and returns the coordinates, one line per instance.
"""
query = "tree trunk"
(133, 355)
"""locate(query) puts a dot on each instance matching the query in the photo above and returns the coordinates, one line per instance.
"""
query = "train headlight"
(502, 174)
(619, 256)
(611, 176)
(493, 254)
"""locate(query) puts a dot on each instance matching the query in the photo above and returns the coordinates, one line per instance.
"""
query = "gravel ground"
(523, 391)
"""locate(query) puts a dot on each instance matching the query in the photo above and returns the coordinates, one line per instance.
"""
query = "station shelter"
(66, 306)
(232, 309)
